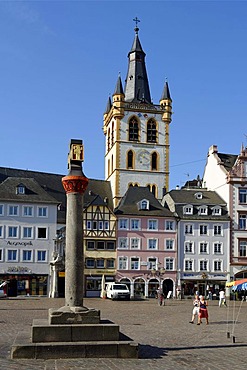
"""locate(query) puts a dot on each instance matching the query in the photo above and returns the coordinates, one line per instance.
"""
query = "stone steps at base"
(23, 348)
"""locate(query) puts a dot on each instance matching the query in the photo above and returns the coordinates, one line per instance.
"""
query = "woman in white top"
(195, 310)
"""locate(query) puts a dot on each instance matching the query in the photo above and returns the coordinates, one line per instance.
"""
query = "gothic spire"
(136, 84)
(166, 92)
(119, 86)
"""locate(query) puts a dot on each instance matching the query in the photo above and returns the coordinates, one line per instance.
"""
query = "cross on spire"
(136, 20)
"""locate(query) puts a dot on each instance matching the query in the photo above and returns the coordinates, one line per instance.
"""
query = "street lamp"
(205, 277)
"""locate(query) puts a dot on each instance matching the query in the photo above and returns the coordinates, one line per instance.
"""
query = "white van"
(117, 291)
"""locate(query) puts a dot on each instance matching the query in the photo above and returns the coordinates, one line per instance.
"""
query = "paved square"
(167, 339)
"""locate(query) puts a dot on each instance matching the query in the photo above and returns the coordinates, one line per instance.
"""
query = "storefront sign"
(24, 244)
(19, 270)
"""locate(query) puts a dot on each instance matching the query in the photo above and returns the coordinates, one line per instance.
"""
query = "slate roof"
(33, 191)
(129, 204)
(52, 185)
(209, 199)
(136, 83)
(98, 192)
(228, 160)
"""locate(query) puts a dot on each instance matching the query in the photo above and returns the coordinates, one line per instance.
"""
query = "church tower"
(137, 131)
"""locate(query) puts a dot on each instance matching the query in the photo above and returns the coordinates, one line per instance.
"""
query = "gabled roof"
(227, 160)
(210, 199)
(52, 185)
(33, 191)
(129, 204)
(98, 192)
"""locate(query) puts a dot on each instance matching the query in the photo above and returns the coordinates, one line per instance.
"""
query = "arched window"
(130, 159)
(152, 189)
(133, 129)
(151, 131)
(154, 165)
(112, 134)
(131, 184)
(108, 140)
(109, 164)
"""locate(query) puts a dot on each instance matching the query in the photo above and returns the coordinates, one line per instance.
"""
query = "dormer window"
(198, 195)
(203, 210)
(216, 211)
(20, 189)
(188, 209)
(143, 204)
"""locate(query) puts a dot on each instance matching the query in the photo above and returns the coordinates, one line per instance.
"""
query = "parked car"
(117, 291)
(2, 294)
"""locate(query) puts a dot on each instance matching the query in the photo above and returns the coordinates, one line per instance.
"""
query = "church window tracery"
(133, 129)
(130, 158)
(154, 161)
(151, 131)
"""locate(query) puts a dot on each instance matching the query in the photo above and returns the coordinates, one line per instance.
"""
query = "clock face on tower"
(143, 157)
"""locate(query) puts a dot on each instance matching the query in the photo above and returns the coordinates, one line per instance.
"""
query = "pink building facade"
(146, 246)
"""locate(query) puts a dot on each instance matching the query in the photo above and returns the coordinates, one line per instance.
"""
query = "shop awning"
(241, 285)
(230, 283)
(237, 284)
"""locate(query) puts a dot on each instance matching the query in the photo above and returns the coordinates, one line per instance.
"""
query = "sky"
(59, 61)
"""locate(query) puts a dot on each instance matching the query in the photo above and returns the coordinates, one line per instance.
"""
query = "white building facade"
(227, 175)
(203, 240)
(28, 223)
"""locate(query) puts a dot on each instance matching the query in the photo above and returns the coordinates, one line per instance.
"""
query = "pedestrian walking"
(222, 298)
(195, 310)
(203, 310)
(161, 298)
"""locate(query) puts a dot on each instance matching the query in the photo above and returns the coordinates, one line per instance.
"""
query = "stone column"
(75, 184)
(74, 264)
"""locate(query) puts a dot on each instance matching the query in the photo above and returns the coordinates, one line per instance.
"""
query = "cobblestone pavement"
(167, 339)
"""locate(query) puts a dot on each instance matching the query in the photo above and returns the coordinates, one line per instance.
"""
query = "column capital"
(75, 184)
